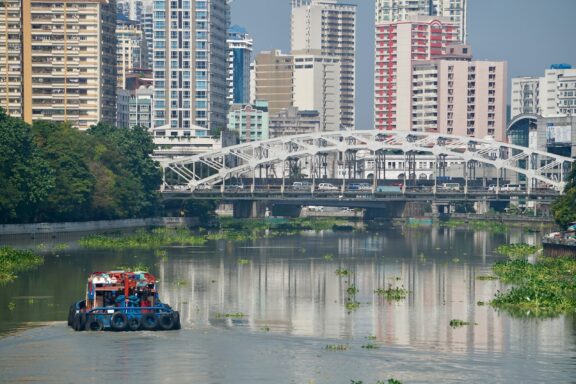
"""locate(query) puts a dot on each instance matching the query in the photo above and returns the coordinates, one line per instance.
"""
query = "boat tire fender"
(79, 321)
(133, 324)
(149, 321)
(166, 321)
(119, 321)
(71, 315)
(176, 317)
(94, 324)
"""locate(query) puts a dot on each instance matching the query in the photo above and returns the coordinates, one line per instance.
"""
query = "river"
(293, 306)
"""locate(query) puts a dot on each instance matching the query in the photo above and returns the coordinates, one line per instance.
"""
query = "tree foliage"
(53, 172)
(564, 208)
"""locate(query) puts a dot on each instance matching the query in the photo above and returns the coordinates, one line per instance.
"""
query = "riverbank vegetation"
(52, 172)
(546, 288)
(230, 229)
(491, 226)
(564, 209)
(13, 261)
(143, 239)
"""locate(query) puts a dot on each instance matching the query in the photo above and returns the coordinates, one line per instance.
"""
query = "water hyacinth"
(142, 239)
(516, 250)
(544, 289)
(13, 261)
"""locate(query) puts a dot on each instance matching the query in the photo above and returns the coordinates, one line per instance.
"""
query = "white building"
(402, 10)
(131, 51)
(525, 94)
(554, 94)
(177, 143)
(190, 54)
(328, 28)
(317, 87)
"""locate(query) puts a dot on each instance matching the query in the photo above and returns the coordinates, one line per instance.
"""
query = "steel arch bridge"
(215, 167)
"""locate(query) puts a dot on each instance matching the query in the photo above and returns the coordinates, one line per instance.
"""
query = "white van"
(510, 188)
(450, 187)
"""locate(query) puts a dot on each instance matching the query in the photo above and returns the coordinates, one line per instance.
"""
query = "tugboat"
(122, 301)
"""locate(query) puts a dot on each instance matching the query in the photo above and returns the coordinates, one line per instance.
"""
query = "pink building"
(425, 81)
(472, 98)
(398, 44)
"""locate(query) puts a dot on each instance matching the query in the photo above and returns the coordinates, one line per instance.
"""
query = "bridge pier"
(248, 209)
(286, 210)
(388, 211)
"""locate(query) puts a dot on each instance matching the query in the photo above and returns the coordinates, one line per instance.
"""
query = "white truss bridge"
(213, 169)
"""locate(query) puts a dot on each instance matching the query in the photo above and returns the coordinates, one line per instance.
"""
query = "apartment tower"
(274, 74)
(190, 54)
(239, 59)
(401, 10)
(67, 71)
(327, 28)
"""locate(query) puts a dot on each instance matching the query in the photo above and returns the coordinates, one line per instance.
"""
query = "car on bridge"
(301, 186)
(359, 187)
(327, 187)
(511, 188)
(234, 187)
(454, 187)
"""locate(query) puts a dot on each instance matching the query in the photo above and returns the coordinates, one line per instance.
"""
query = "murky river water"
(294, 306)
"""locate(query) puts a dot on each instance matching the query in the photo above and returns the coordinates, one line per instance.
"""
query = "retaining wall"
(102, 225)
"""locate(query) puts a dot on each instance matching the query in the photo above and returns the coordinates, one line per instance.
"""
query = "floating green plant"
(142, 239)
(342, 272)
(328, 257)
(455, 323)
(352, 305)
(337, 347)
(265, 329)
(352, 290)
(237, 315)
(516, 250)
(392, 293)
(60, 247)
(546, 288)
(487, 277)
(243, 261)
(139, 267)
(13, 261)
(11, 306)
(370, 346)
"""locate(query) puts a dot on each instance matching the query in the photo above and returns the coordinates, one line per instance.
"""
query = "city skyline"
(517, 49)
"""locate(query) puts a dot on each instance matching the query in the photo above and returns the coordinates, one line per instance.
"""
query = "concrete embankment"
(101, 225)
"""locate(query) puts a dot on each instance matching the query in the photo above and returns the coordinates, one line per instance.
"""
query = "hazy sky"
(528, 34)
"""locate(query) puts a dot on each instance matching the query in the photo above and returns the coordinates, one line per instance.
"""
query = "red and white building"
(425, 80)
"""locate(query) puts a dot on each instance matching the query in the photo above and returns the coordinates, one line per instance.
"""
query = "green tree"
(564, 208)
(26, 178)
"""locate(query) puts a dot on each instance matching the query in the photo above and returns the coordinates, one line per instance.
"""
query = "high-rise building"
(249, 121)
(398, 45)
(554, 94)
(190, 53)
(525, 94)
(131, 9)
(402, 10)
(67, 69)
(130, 50)
(239, 59)
(274, 79)
(147, 26)
(317, 87)
(11, 65)
(328, 28)
(135, 107)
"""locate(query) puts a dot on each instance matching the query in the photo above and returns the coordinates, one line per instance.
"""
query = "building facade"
(317, 87)
(401, 10)
(525, 96)
(250, 122)
(554, 94)
(190, 54)
(398, 45)
(274, 78)
(328, 28)
(131, 9)
(292, 121)
(130, 49)
(135, 107)
(239, 59)
(67, 69)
